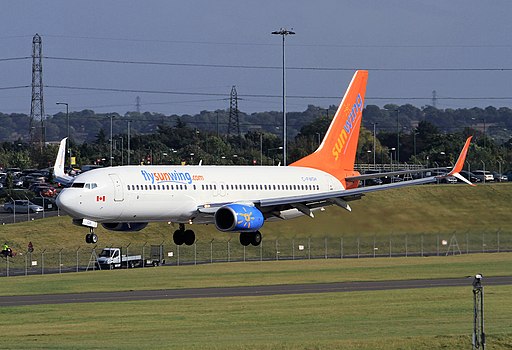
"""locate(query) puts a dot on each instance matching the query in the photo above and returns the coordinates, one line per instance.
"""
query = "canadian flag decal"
(100, 198)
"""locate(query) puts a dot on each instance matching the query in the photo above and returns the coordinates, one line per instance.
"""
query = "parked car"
(22, 206)
(449, 180)
(46, 203)
(499, 177)
(43, 190)
(484, 176)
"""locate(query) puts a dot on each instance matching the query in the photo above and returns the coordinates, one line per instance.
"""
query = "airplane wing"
(307, 202)
(394, 173)
(58, 169)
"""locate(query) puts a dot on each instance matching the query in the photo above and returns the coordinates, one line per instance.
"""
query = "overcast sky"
(466, 43)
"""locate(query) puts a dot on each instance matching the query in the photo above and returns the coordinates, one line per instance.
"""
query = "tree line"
(427, 136)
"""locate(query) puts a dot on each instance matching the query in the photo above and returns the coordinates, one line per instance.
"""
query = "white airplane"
(235, 198)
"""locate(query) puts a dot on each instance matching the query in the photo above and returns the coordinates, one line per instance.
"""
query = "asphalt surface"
(221, 292)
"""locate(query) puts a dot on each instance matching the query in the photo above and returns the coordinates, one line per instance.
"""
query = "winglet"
(460, 163)
(58, 168)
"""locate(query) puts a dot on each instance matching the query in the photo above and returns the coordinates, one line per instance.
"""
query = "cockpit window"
(91, 185)
(78, 184)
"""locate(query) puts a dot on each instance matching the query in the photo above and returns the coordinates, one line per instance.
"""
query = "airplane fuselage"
(174, 193)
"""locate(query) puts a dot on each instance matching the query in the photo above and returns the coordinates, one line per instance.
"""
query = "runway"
(250, 291)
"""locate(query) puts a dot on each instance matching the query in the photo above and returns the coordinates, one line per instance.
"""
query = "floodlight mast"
(284, 32)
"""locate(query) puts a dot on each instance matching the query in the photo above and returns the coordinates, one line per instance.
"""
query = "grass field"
(429, 209)
(432, 318)
(435, 318)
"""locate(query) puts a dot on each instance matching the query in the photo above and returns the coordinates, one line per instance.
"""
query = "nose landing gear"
(91, 237)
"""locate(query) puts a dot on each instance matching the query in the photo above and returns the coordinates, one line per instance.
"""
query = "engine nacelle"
(239, 218)
(125, 226)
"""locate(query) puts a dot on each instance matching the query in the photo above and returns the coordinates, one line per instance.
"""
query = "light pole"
(261, 148)
(391, 160)
(67, 117)
(122, 150)
(374, 124)
(129, 124)
(284, 32)
(273, 149)
(111, 138)
(397, 137)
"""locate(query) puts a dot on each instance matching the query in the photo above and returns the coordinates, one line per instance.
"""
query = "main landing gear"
(181, 236)
(91, 237)
(253, 238)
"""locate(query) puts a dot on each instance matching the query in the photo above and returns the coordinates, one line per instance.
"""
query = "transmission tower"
(37, 105)
(234, 121)
(137, 104)
(434, 98)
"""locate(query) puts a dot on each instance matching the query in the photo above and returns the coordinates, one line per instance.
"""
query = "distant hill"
(85, 125)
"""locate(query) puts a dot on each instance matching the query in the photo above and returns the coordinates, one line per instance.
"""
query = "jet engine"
(239, 218)
(125, 226)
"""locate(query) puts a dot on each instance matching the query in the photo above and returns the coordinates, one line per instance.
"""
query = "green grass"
(262, 273)
(397, 319)
(402, 319)
(431, 318)
(427, 210)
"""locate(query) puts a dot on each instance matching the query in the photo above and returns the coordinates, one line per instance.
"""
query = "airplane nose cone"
(69, 203)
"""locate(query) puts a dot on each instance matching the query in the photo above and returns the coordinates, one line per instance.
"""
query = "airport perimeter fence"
(46, 261)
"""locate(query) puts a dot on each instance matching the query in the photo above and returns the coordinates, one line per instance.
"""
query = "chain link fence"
(59, 260)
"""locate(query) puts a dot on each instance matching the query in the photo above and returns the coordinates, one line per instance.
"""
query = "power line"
(14, 87)
(15, 58)
(198, 42)
(206, 65)
(268, 95)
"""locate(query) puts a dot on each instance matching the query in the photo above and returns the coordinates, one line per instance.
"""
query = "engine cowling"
(239, 218)
(125, 226)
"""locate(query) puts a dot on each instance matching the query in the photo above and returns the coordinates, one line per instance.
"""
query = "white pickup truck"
(111, 258)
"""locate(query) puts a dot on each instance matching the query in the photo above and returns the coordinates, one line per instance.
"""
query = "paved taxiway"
(220, 292)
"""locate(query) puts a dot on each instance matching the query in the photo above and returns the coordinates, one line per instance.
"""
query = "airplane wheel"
(256, 238)
(245, 238)
(179, 237)
(190, 237)
(88, 238)
(94, 238)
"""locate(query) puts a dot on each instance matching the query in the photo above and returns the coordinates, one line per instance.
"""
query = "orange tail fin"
(337, 152)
